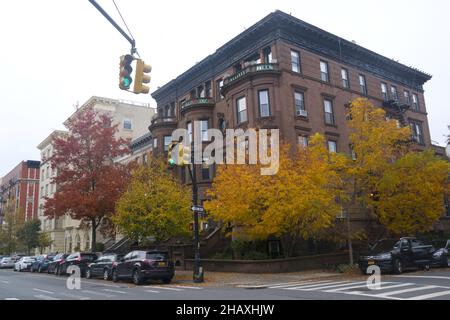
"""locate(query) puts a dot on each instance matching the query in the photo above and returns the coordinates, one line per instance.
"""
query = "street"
(433, 285)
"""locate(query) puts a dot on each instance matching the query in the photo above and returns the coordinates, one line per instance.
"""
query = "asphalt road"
(433, 285)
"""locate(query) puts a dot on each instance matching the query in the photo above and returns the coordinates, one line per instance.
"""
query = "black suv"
(53, 266)
(103, 266)
(79, 259)
(142, 265)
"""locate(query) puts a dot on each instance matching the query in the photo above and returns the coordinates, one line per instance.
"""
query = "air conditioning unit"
(302, 113)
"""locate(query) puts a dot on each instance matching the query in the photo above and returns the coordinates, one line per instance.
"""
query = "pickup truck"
(398, 255)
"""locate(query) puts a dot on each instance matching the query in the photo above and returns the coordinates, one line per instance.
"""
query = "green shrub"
(255, 255)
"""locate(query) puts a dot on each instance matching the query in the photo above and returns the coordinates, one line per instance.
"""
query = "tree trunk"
(349, 239)
(93, 235)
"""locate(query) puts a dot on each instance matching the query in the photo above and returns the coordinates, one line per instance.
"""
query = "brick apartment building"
(287, 74)
(19, 191)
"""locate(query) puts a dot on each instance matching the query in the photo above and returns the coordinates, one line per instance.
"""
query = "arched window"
(69, 243)
(77, 242)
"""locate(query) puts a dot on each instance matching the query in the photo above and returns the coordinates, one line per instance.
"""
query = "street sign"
(197, 209)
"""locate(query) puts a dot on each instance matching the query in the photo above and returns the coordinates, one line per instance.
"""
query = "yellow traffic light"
(178, 154)
(125, 79)
(142, 77)
(184, 154)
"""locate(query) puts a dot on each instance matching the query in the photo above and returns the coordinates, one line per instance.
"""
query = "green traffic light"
(126, 82)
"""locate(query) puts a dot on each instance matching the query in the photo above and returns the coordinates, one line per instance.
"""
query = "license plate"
(161, 264)
(371, 263)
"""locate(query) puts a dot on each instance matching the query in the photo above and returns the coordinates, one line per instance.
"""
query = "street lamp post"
(198, 270)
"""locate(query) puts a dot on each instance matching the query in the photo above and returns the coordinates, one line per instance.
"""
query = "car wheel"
(115, 277)
(57, 271)
(88, 273)
(137, 278)
(398, 266)
(106, 274)
(167, 280)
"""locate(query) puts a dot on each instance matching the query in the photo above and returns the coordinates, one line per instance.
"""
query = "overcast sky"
(56, 53)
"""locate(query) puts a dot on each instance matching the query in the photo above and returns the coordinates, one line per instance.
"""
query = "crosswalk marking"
(352, 286)
(393, 293)
(431, 295)
(342, 285)
(314, 286)
(382, 287)
(388, 290)
(424, 277)
(292, 284)
(151, 291)
(11, 299)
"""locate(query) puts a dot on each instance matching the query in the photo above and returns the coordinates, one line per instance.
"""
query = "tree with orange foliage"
(88, 180)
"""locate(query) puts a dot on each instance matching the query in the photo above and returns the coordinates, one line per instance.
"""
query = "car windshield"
(439, 243)
(156, 255)
(89, 257)
(386, 245)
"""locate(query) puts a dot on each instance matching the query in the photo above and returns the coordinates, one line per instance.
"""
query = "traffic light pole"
(198, 272)
(111, 20)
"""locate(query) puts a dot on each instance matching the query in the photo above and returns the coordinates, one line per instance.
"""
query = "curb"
(265, 286)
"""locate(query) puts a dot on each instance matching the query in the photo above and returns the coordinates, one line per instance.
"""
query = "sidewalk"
(249, 281)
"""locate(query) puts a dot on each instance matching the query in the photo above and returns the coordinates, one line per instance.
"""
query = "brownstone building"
(287, 74)
(19, 191)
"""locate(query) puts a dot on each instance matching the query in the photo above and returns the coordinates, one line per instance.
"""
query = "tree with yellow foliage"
(296, 203)
(410, 196)
(155, 204)
(376, 144)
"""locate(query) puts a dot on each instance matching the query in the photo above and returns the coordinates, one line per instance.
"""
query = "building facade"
(19, 191)
(132, 119)
(283, 73)
(53, 226)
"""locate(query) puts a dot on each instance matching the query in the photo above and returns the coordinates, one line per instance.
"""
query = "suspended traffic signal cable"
(126, 26)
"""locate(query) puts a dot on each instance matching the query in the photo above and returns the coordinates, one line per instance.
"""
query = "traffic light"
(182, 158)
(184, 155)
(125, 79)
(142, 77)
(171, 162)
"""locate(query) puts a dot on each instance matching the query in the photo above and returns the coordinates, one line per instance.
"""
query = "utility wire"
(120, 14)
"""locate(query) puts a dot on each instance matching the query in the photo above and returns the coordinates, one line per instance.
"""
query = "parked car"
(53, 266)
(24, 264)
(441, 257)
(80, 259)
(103, 266)
(6, 263)
(41, 263)
(393, 255)
(17, 257)
(142, 265)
